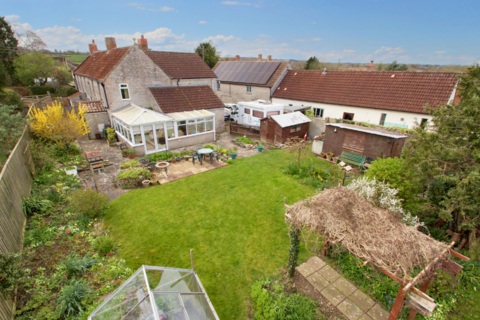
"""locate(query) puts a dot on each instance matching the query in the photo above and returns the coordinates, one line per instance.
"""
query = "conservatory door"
(154, 137)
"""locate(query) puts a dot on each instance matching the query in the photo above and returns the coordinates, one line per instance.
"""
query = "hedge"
(40, 90)
(65, 91)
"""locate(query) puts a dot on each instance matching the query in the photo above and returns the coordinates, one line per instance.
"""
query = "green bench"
(352, 158)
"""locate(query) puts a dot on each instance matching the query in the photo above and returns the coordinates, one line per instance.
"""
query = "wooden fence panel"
(15, 183)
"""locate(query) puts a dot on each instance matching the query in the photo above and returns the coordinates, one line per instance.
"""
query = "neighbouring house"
(372, 143)
(395, 99)
(279, 128)
(136, 78)
(183, 116)
(248, 80)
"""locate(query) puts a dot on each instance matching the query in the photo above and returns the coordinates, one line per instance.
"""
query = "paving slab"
(329, 273)
(377, 313)
(344, 286)
(350, 310)
(365, 317)
(310, 266)
(333, 295)
(317, 281)
(363, 301)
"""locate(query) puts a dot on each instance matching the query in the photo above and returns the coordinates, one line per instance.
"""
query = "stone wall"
(233, 93)
(94, 119)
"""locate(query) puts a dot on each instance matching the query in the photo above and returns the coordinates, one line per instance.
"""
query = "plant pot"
(249, 147)
(322, 155)
(173, 160)
(153, 182)
(179, 159)
(71, 172)
(131, 156)
(329, 157)
(112, 143)
(260, 149)
(125, 155)
(145, 183)
(233, 155)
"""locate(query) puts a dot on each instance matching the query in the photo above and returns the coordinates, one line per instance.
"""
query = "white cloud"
(73, 19)
(439, 52)
(390, 50)
(263, 36)
(316, 39)
(235, 3)
(349, 51)
(307, 40)
(162, 9)
(12, 17)
(203, 22)
(313, 22)
(219, 38)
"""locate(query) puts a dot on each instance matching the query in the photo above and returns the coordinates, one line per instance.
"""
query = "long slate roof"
(185, 98)
(176, 65)
(399, 91)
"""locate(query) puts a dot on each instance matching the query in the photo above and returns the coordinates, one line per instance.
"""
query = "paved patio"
(350, 300)
(186, 168)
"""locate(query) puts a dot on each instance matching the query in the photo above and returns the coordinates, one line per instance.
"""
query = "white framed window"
(249, 89)
(318, 113)
(124, 91)
(218, 85)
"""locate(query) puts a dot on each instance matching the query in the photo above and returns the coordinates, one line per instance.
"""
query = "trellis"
(380, 239)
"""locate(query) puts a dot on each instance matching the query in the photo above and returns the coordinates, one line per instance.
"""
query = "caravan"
(250, 113)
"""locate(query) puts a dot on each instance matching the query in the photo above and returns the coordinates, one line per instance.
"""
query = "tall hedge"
(65, 91)
(40, 90)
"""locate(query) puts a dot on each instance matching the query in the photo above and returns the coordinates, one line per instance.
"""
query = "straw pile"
(372, 234)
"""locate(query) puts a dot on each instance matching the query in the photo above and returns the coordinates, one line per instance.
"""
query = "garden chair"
(198, 147)
(215, 153)
(195, 157)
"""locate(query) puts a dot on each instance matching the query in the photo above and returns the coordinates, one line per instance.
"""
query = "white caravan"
(250, 113)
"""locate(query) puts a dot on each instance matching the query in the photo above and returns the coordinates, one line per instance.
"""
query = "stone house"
(391, 99)
(249, 80)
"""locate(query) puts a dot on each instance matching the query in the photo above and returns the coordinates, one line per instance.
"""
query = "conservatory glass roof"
(156, 293)
(136, 115)
(190, 114)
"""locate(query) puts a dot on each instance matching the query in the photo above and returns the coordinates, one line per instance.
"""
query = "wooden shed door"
(354, 142)
(271, 132)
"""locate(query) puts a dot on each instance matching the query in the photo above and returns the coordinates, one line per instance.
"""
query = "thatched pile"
(372, 234)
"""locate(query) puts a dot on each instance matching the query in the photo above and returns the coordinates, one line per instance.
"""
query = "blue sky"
(410, 31)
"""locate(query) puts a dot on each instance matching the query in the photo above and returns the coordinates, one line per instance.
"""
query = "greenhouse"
(150, 131)
(157, 293)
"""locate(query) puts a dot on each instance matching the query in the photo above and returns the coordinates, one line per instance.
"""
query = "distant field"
(75, 58)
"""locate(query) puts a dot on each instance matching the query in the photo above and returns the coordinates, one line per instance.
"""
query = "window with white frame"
(318, 112)
(249, 89)
(218, 85)
(191, 127)
(124, 91)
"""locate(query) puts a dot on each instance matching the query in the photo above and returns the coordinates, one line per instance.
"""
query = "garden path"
(350, 300)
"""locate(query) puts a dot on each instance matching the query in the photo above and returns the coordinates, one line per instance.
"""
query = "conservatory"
(149, 131)
(157, 293)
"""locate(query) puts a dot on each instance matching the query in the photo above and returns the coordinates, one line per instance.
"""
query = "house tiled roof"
(178, 65)
(99, 64)
(93, 106)
(270, 83)
(399, 91)
(76, 94)
(185, 98)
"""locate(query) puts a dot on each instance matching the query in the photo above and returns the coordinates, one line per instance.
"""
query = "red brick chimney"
(237, 57)
(371, 63)
(92, 47)
(269, 58)
(143, 43)
(260, 57)
(110, 43)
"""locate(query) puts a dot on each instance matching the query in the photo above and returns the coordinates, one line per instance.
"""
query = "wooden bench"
(352, 158)
(95, 160)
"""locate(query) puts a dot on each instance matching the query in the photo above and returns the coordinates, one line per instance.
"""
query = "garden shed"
(158, 293)
(150, 131)
(277, 129)
(369, 142)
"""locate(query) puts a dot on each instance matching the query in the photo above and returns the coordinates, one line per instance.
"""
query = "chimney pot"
(92, 47)
(260, 57)
(269, 58)
(110, 43)
(237, 57)
(371, 63)
(143, 43)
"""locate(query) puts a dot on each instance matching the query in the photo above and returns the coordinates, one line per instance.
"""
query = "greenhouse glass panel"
(197, 306)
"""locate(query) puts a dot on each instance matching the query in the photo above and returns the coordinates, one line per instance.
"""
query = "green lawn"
(75, 58)
(225, 215)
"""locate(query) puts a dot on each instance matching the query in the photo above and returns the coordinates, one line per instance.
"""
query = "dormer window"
(124, 92)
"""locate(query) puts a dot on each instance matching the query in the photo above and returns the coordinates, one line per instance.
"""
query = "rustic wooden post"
(423, 288)
(324, 245)
(294, 235)
(397, 305)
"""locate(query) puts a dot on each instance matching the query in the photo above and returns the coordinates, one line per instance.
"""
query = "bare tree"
(30, 41)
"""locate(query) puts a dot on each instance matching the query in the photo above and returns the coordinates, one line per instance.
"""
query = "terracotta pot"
(153, 182)
(329, 157)
(145, 183)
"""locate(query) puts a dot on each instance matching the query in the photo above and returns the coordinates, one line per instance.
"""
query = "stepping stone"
(312, 265)
(350, 310)
(362, 300)
(333, 295)
(329, 273)
(344, 286)
(365, 317)
(377, 313)
(317, 281)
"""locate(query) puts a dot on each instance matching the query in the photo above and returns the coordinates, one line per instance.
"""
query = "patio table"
(203, 152)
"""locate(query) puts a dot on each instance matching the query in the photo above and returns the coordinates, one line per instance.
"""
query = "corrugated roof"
(291, 119)
(185, 98)
(235, 71)
(400, 91)
(180, 65)
(100, 63)
(134, 115)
